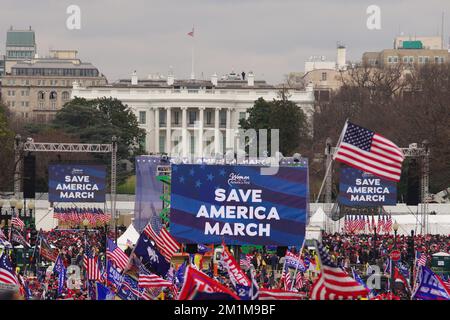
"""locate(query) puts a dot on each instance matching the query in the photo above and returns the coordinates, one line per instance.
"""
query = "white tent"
(318, 219)
(130, 234)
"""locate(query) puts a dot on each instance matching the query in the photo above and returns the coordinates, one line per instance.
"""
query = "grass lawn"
(128, 187)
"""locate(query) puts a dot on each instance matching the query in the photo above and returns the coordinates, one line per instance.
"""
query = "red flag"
(197, 281)
(237, 276)
(191, 33)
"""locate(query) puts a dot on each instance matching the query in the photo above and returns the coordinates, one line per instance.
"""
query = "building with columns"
(192, 117)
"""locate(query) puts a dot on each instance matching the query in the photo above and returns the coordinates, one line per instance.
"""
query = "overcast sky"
(271, 38)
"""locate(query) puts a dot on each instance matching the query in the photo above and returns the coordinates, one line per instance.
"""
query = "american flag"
(150, 280)
(91, 264)
(115, 254)
(16, 222)
(299, 280)
(388, 224)
(422, 259)
(368, 151)
(274, 294)
(333, 282)
(380, 226)
(7, 273)
(361, 223)
(166, 244)
(286, 279)
(246, 262)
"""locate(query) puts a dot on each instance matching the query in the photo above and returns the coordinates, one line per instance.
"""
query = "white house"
(178, 114)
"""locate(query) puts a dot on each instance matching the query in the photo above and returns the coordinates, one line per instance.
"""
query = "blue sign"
(76, 183)
(358, 188)
(238, 205)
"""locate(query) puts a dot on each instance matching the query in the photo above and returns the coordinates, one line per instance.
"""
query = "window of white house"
(142, 117)
(324, 76)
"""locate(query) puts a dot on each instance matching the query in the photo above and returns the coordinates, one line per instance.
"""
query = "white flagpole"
(192, 66)
(329, 166)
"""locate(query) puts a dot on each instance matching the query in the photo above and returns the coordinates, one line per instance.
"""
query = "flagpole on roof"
(192, 58)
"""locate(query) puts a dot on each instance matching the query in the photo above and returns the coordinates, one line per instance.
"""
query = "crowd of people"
(352, 252)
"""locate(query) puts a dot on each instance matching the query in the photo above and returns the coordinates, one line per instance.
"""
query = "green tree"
(280, 114)
(6, 150)
(96, 121)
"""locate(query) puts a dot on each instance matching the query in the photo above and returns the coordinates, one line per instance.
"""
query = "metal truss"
(66, 147)
(413, 151)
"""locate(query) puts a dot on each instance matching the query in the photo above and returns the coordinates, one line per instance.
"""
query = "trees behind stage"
(405, 105)
(79, 121)
(279, 114)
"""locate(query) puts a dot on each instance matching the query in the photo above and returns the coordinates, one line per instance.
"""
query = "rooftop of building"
(54, 63)
(191, 84)
(20, 38)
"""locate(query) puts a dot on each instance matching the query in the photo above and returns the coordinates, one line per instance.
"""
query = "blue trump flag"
(61, 280)
(429, 286)
(113, 275)
(150, 257)
(238, 205)
(103, 292)
(59, 265)
(129, 289)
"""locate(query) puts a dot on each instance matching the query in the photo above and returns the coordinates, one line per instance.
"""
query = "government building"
(192, 117)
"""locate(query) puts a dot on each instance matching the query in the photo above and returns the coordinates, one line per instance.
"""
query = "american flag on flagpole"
(150, 280)
(192, 32)
(7, 273)
(16, 222)
(370, 152)
(274, 294)
(422, 260)
(91, 264)
(115, 254)
(333, 282)
(166, 244)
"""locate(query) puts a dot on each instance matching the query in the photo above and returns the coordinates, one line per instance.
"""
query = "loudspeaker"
(281, 251)
(29, 174)
(413, 188)
(191, 248)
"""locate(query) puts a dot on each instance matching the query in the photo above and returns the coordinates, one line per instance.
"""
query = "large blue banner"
(148, 203)
(76, 183)
(358, 188)
(238, 205)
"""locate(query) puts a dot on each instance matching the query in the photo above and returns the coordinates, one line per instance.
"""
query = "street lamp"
(374, 243)
(19, 206)
(395, 227)
(31, 209)
(2, 203)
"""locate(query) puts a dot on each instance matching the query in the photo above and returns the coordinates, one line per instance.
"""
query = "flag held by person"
(115, 254)
(150, 280)
(165, 243)
(7, 273)
(333, 282)
(197, 281)
(370, 152)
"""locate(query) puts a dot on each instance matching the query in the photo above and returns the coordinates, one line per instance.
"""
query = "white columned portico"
(228, 135)
(156, 129)
(200, 132)
(150, 143)
(168, 130)
(184, 135)
(217, 131)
